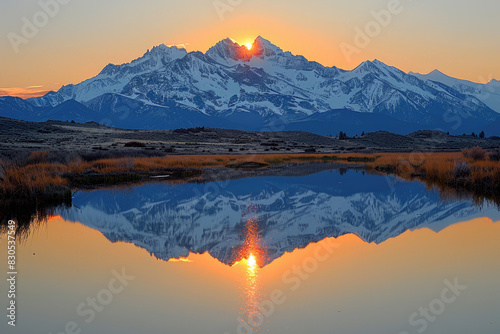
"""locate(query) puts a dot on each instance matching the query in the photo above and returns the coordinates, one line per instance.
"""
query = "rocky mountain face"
(488, 93)
(290, 213)
(252, 89)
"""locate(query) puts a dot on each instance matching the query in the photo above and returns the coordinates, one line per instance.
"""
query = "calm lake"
(337, 251)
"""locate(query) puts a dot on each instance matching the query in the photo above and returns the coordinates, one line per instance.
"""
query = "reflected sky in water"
(286, 255)
(287, 213)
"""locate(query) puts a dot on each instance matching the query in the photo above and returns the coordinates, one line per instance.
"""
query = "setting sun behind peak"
(249, 46)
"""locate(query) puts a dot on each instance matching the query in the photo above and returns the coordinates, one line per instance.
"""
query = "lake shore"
(43, 181)
(46, 162)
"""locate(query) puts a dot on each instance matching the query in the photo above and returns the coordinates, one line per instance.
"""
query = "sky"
(45, 44)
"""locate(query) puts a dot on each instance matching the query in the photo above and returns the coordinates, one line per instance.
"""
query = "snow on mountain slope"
(15, 107)
(113, 78)
(266, 81)
(488, 93)
(290, 212)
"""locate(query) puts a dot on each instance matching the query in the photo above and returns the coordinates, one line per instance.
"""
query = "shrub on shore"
(462, 170)
(495, 155)
(475, 153)
(37, 157)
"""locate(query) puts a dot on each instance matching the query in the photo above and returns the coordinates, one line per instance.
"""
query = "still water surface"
(332, 252)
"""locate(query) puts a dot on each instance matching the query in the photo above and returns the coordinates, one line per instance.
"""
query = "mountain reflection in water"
(324, 253)
(286, 213)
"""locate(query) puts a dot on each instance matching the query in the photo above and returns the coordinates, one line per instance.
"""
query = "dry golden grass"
(37, 176)
(436, 169)
(197, 161)
(30, 180)
(446, 171)
(37, 157)
(436, 166)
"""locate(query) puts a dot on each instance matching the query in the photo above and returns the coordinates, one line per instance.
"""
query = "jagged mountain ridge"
(249, 89)
(172, 221)
(488, 93)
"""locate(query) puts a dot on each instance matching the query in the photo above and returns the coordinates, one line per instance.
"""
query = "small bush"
(134, 144)
(475, 153)
(462, 170)
(494, 156)
(37, 157)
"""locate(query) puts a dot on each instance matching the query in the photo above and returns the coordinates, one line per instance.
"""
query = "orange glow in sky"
(456, 39)
(23, 92)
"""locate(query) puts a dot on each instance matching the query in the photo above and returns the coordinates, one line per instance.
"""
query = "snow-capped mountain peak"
(232, 83)
(153, 59)
(265, 48)
(437, 73)
(228, 49)
(489, 93)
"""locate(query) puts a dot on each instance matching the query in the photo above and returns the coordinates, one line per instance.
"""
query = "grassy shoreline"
(37, 176)
(454, 174)
(39, 181)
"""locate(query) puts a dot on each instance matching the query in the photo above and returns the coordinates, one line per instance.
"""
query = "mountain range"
(265, 88)
(172, 221)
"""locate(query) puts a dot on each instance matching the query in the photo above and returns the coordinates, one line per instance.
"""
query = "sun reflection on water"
(252, 257)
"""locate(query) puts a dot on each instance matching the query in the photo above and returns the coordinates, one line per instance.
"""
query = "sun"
(252, 262)
(249, 46)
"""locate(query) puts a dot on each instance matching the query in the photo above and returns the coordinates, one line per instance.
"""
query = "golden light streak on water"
(181, 259)
(252, 256)
(252, 264)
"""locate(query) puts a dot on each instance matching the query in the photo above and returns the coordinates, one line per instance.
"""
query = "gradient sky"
(458, 37)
